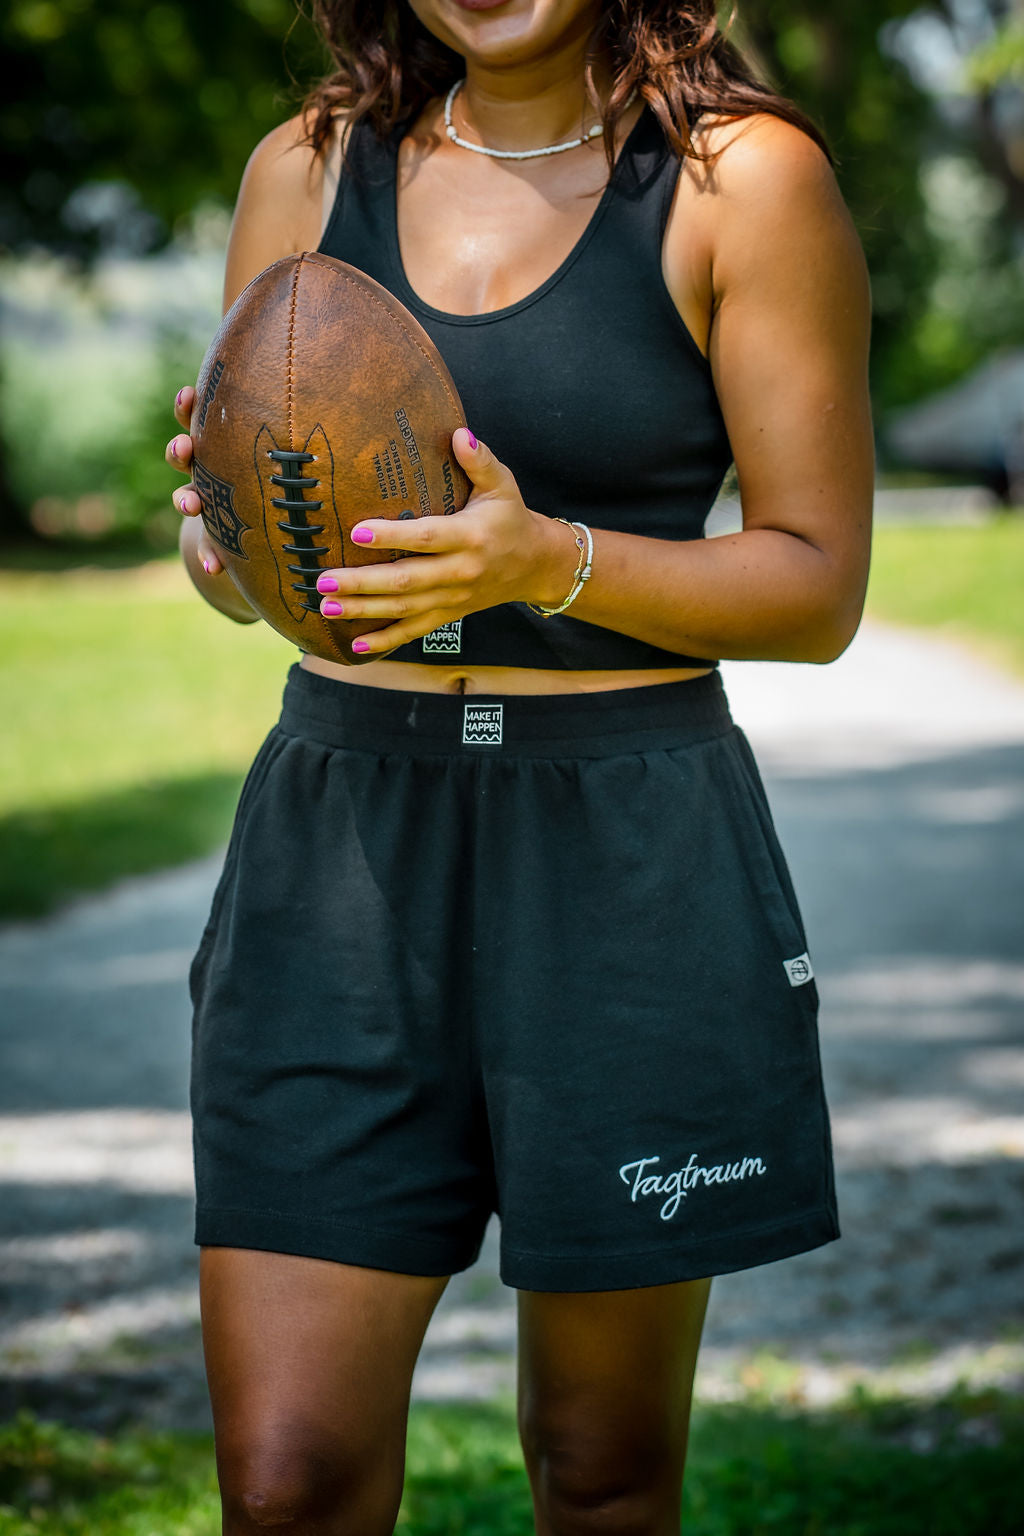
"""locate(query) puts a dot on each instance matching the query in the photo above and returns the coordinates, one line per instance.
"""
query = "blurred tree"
(969, 56)
(879, 123)
(117, 118)
(994, 75)
(116, 113)
(1001, 59)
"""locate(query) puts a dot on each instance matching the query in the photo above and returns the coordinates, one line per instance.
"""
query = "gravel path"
(897, 779)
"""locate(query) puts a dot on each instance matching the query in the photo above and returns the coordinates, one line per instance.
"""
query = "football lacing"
(304, 533)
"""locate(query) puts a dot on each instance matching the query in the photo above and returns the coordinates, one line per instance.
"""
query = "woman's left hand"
(494, 551)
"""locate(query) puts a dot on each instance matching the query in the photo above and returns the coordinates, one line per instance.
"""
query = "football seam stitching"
(325, 626)
(291, 351)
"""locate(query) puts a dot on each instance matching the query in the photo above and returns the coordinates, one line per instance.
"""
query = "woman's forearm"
(761, 594)
(218, 590)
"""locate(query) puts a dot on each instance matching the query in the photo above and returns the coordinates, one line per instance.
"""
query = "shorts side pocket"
(258, 770)
(769, 867)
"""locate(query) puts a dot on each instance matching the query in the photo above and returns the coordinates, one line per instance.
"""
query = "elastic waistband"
(340, 714)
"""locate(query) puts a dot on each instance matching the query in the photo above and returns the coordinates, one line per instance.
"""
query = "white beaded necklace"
(510, 154)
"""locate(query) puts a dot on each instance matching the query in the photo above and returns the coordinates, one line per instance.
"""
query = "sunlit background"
(893, 1359)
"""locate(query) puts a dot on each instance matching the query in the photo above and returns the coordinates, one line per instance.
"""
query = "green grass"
(966, 582)
(131, 710)
(59, 849)
(885, 1468)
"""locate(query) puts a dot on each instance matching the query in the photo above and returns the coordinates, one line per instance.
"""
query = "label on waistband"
(482, 725)
(446, 639)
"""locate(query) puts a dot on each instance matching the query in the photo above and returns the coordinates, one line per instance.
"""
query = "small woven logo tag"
(799, 970)
(446, 639)
(481, 725)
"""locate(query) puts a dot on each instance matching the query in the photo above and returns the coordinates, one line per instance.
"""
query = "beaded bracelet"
(583, 569)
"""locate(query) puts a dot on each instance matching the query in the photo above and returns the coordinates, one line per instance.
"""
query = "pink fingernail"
(177, 398)
(362, 535)
(472, 440)
(360, 645)
(206, 567)
(326, 583)
(173, 445)
(331, 609)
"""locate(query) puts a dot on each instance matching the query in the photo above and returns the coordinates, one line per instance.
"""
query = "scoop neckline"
(488, 316)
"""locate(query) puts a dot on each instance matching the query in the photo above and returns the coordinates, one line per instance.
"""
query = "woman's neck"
(526, 108)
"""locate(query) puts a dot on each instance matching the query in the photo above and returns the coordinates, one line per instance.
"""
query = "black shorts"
(539, 955)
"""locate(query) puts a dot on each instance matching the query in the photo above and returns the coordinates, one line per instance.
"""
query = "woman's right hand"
(179, 456)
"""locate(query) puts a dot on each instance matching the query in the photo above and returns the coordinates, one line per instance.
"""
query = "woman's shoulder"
(745, 152)
(762, 174)
(286, 164)
(284, 197)
(764, 209)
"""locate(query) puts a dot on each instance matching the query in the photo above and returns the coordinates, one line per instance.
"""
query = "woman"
(504, 923)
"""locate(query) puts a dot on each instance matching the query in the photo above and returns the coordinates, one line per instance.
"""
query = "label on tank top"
(446, 639)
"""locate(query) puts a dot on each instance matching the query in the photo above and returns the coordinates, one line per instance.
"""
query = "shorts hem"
(665, 1266)
(317, 1238)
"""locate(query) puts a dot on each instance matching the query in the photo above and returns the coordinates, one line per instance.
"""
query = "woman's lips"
(479, 5)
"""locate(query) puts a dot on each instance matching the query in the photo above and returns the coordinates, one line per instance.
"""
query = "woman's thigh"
(309, 1364)
(605, 1383)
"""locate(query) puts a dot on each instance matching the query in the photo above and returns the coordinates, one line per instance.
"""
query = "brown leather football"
(321, 401)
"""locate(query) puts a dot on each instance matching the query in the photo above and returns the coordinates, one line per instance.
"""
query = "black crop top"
(591, 390)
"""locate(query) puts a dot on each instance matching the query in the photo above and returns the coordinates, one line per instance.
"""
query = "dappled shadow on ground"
(921, 860)
(48, 853)
(911, 879)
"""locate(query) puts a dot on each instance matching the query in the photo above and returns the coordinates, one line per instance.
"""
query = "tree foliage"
(162, 101)
(1001, 59)
(878, 122)
(119, 117)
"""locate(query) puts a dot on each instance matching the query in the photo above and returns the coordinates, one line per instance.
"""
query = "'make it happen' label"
(482, 725)
(446, 640)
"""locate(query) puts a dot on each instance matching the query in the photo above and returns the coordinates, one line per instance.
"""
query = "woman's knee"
(587, 1481)
(604, 1506)
(292, 1475)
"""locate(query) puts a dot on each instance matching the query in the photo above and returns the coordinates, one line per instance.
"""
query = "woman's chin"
(506, 32)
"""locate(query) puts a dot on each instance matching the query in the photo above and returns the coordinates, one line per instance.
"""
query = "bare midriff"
(416, 677)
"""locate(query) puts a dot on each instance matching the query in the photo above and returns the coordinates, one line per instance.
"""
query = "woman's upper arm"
(280, 206)
(789, 344)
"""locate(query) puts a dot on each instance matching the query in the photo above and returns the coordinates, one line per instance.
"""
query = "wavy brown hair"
(674, 55)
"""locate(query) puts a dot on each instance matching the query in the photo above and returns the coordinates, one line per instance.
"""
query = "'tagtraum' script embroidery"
(676, 1186)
